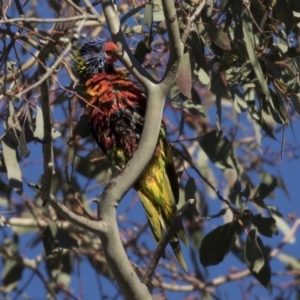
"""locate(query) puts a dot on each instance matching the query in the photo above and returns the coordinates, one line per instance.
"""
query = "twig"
(50, 20)
(45, 73)
(190, 20)
(164, 242)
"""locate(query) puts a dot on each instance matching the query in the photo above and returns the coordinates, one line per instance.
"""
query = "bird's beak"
(112, 51)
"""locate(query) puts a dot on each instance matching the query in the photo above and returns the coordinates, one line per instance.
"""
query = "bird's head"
(95, 56)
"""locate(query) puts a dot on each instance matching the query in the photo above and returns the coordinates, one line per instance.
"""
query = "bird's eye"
(93, 52)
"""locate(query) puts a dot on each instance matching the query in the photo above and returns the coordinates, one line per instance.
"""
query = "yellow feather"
(156, 192)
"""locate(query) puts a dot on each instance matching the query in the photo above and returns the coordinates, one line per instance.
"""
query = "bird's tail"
(175, 244)
(159, 226)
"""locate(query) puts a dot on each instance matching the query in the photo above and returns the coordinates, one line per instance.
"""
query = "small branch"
(48, 141)
(45, 73)
(164, 242)
(190, 20)
(49, 20)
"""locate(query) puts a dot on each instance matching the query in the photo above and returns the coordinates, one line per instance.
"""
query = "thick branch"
(176, 46)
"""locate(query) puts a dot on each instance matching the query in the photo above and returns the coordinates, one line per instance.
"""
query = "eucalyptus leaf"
(14, 173)
(216, 244)
(257, 259)
(217, 147)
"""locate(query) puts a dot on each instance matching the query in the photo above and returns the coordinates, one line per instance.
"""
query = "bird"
(115, 110)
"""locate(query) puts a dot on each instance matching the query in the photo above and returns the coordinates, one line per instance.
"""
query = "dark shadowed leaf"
(194, 108)
(246, 192)
(181, 123)
(235, 198)
(55, 237)
(59, 268)
(279, 111)
(14, 173)
(82, 128)
(217, 147)
(296, 102)
(190, 189)
(12, 270)
(142, 50)
(250, 45)
(131, 12)
(256, 258)
(264, 189)
(24, 151)
(197, 50)
(265, 226)
(216, 244)
(283, 12)
(12, 273)
(259, 14)
(253, 253)
(184, 76)
(295, 5)
(218, 37)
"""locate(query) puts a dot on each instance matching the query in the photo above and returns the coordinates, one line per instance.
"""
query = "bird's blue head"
(95, 56)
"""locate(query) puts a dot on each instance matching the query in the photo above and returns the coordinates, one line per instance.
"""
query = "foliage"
(236, 92)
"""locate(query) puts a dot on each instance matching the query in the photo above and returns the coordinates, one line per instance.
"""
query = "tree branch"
(126, 56)
(107, 229)
(176, 47)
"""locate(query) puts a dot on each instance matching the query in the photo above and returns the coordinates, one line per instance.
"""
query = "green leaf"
(264, 189)
(39, 126)
(158, 16)
(218, 37)
(203, 78)
(291, 261)
(256, 259)
(14, 173)
(265, 226)
(283, 226)
(217, 147)
(250, 45)
(148, 16)
(216, 244)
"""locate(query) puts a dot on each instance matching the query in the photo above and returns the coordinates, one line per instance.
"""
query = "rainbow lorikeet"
(116, 109)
